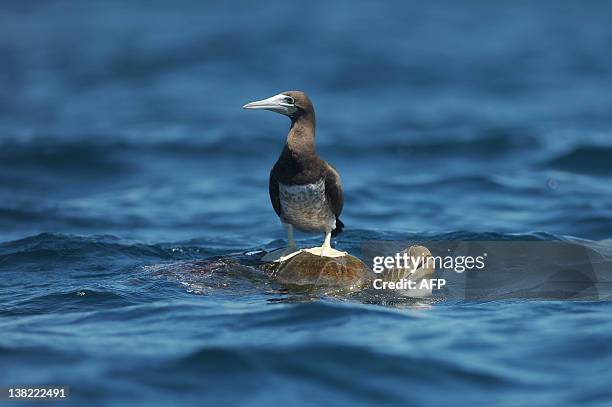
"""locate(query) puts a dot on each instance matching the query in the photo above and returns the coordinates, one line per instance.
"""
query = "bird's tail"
(338, 229)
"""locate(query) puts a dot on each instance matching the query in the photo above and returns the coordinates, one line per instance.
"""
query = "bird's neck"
(301, 138)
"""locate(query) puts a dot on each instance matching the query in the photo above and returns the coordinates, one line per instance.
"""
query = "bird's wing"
(333, 189)
(274, 196)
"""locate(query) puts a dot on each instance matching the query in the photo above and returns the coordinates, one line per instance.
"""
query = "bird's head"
(292, 103)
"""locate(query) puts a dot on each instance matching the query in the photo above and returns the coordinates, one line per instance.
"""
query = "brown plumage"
(299, 163)
(305, 191)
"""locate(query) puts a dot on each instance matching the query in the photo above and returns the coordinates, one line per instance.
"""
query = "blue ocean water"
(125, 155)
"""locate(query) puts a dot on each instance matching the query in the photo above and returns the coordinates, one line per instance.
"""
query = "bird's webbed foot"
(281, 254)
(325, 251)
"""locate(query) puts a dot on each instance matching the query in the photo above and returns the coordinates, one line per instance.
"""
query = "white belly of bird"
(306, 207)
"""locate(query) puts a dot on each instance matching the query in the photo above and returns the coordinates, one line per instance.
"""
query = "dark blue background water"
(123, 150)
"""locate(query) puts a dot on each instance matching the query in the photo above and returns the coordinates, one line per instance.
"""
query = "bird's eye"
(289, 100)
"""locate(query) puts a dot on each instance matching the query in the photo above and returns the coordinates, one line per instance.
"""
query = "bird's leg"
(325, 249)
(290, 242)
(326, 246)
(285, 253)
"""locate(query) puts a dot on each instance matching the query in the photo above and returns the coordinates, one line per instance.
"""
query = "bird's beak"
(275, 103)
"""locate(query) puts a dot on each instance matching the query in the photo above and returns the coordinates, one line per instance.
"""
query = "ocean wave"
(319, 313)
(594, 160)
(202, 269)
(344, 370)
(73, 157)
(476, 350)
(47, 251)
(111, 154)
(54, 301)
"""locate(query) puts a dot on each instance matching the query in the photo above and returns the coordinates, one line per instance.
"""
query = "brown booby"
(305, 190)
